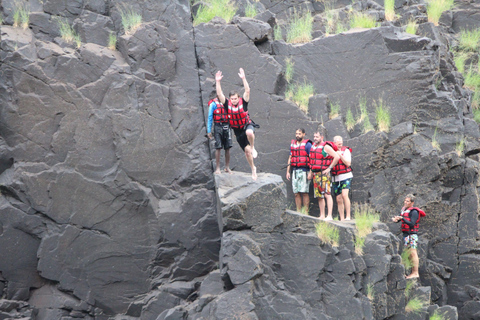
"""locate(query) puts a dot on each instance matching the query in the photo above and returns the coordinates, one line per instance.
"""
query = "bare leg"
(248, 155)
(414, 258)
(329, 206)
(346, 200)
(340, 206)
(227, 161)
(306, 201)
(321, 204)
(251, 140)
(217, 161)
(298, 201)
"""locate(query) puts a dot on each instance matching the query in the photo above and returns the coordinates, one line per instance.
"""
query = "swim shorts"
(410, 241)
(300, 183)
(321, 184)
(340, 185)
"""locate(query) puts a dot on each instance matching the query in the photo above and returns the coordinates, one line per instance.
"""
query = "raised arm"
(246, 94)
(218, 78)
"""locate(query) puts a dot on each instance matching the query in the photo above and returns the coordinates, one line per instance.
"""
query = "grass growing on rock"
(112, 41)
(365, 217)
(328, 233)
(436, 316)
(469, 40)
(472, 78)
(21, 14)
(414, 305)
(334, 110)
(411, 27)
(435, 143)
(277, 33)
(214, 8)
(435, 8)
(250, 10)
(476, 115)
(460, 146)
(406, 260)
(300, 27)
(459, 60)
(389, 10)
(289, 69)
(370, 291)
(382, 116)
(362, 20)
(363, 117)
(349, 120)
(411, 283)
(131, 19)
(67, 32)
(300, 93)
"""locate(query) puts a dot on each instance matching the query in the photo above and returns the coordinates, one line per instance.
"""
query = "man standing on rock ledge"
(410, 217)
(239, 119)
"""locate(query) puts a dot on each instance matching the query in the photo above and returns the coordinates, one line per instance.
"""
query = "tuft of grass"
(300, 94)
(414, 305)
(331, 17)
(436, 316)
(334, 110)
(131, 20)
(289, 69)
(476, 99)
(362, 20)
(340, 28)
(472, 78)
(435, 143)
(435, 8)
(112, 41)
(67, 32)
(476, 115)
(359, 244)
(469, 40)
(300, 28)
(411, 283)
(277, 33)
(349, 120)
(250, 10)
(411, 27)
(365, 217)
(406, 261)
(328, 233)
(459, 60)
(460, 146)
(363, 117)
(21, 14)
(389, 10)
(382, 116)
(304, 210)
(370, 291)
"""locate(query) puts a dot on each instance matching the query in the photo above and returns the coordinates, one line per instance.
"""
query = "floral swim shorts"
(321, 184)
(410, 241)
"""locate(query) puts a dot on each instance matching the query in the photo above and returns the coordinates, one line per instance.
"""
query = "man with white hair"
(342, 178)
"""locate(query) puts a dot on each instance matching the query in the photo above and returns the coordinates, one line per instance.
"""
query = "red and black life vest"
(341, 167)
(237, 116)
(406, 215)
(299, 154)
(219, 115)
(317, 161)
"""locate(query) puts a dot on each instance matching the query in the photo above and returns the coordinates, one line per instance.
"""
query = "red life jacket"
(299, 154)
(406, 215)
(317, 161)
(219, 115)
(237, 117)
(341, 167)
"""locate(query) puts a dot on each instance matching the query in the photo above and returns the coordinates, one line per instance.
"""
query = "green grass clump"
(250, 10)
(277, 33)
(460, 146)
(363, 117)
(112, 41)
(459, 60)
(370, 291)
(435, 142)
(476, 115)
(436, 316)
(300, 94)
(214, 8)
(289, 69)
(414, 305)
(349, 120)
(21, 15)
(334, 110)
(411, 283)
(340, 28)
(472, 78)
(406, 260)
(300, 28)
(411, 27)
(362, 20)
(67, 32)
(365, 217)
(328, 233)
(469, 40)
(359, 244)
(131, 20)
(382, 116)
(304, 210)
(435, 8)
(476, 99)
(389, 9)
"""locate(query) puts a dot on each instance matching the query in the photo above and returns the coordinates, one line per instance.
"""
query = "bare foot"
(347, 219)
(254, 153)
(217, 171)
(412, 276)
(328, 218)
(228, 170)
(322, 218)
(254, 173)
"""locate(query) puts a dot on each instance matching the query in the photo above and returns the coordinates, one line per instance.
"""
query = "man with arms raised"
(322, 159)
(239, 118)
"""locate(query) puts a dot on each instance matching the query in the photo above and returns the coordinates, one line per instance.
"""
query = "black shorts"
(241, 135)
(223, 136)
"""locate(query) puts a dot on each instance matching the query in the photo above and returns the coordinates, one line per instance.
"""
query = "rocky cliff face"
(109, 207)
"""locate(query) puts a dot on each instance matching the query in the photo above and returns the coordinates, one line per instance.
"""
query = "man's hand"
(309, 175)
(288, 175)
(241, 74)
(209, 135)
(327, 171)
(397, 218)
(218, 76)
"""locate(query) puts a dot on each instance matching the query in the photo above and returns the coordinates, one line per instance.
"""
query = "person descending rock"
(298, 165)
(239, 119)
(342, 178)
(322, 159)
(222, 132)
(410, 217)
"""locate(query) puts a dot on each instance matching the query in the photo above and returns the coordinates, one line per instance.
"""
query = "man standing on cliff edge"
(239, 119)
